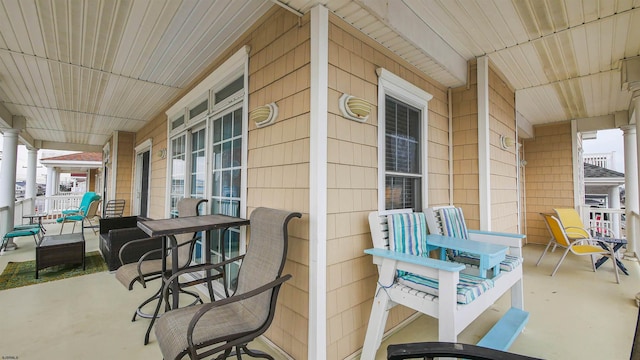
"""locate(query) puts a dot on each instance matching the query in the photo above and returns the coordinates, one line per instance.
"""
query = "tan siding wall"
(504, 177)
(125, 168)
(278, 159)
(465, 149)
(549, 180)
(352, 181)
(156, 130)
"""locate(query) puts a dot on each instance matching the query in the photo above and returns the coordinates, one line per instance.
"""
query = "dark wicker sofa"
(115, 232)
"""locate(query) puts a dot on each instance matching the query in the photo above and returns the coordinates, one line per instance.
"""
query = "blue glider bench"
(453, 292)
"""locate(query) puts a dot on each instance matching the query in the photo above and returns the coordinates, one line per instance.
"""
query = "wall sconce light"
(264, 115)
(162, 153)
(354, 108)
(506, 142)
(523, 163)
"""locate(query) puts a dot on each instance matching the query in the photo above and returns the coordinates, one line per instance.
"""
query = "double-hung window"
(402, 138)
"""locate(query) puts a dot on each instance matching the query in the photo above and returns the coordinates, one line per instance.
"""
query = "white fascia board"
(409, 26)
(604, 181)
(596, 123)
(525, 129)
(71, 164)
(53, 145)
(6, 118)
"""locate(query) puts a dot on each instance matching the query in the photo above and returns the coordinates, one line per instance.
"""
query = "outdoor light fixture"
(264, 115)
(354, 108)
(506, 142)
(162, 153)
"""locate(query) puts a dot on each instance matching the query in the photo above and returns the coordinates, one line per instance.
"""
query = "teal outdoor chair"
(88, 208)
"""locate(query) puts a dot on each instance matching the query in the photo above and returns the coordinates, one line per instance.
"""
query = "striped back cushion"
(407, 233)
(453, 223)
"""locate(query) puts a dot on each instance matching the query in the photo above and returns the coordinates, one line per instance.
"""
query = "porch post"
(614, 203)
(632, 203)
(317, 326)
(8, 179)
(484, 144)
(32, 164)
(51, 186)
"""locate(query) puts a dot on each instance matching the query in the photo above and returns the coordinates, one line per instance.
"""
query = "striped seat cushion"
(469, 288)
(509, 263)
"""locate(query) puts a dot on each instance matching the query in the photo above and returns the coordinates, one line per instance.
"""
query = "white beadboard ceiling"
(77, 70)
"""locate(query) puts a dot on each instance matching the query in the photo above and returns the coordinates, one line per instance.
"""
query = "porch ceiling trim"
(404, 21)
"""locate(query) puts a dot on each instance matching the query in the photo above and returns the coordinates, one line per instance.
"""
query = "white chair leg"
(560, 262)
(615, 265)
(544, 252)
(375, 329)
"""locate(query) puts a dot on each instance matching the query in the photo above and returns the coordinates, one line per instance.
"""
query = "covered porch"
(246, 104)
(89, 316)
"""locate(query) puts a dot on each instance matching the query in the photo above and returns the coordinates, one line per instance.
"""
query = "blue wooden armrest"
(416, 260)
(496, 233)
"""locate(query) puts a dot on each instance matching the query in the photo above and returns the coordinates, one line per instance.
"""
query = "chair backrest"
(448, 221)
(92, 211)
(187, 207)
(265, 258)
(572, 223)
(379, 226)
(555, 228)
(87, 198)
(114, 208)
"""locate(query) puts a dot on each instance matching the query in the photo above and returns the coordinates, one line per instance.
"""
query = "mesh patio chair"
(114, 208)
(84, 214)
(582, 247)
(149, 266)
(204, 330)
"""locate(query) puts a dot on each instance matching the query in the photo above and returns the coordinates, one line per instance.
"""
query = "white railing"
(605, 222)
(54, 205)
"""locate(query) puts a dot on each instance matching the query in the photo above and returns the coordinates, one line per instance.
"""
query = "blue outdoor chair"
(88, 208)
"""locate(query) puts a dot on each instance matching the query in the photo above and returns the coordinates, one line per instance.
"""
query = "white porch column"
(52, 180)
(484, 144)
(8, 179)
(632, 203)
(614, 203)
(317, 337)
(32, 164)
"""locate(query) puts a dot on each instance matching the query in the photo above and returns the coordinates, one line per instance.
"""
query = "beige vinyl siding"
(156, 130)
(278, 158)
(352, 181)
(465, 148)
(125, 155)
(549, 180)
(504, 176)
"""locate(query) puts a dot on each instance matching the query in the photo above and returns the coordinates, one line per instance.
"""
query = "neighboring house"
(604, 184)
(82, 167)
(20, 188)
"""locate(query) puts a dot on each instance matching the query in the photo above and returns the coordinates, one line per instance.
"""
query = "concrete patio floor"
(576, 314)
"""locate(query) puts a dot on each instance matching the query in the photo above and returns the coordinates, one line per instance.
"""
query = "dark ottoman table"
(60, 249)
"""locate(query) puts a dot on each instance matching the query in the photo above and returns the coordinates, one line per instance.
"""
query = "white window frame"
(236, 66)
(392, 85)
(146, 145)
